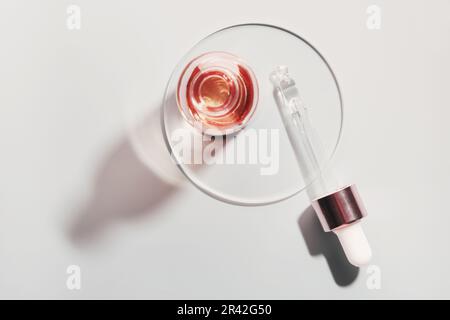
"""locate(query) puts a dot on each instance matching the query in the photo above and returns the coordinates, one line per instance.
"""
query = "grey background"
(74, 191)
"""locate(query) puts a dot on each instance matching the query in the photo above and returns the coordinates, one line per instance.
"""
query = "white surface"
(65, 161)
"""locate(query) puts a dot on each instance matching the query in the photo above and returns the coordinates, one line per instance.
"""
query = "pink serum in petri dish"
(217, 92)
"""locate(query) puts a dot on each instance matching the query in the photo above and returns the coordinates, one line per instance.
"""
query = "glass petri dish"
(252, 162)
